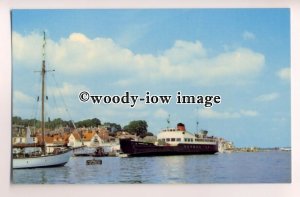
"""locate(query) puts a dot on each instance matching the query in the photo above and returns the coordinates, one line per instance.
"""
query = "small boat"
(172, 142)
(40, 159)
(122, 155)
(99, 152)
(85, 151)
(94, 162)
(285, 149)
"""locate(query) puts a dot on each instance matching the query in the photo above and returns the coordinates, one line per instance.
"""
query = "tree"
(16, 120)
(56, 123)
(146, 134)
(95, 122)
(113, 126)
(138, 127)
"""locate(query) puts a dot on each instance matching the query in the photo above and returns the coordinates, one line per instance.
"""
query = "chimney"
(180, 127)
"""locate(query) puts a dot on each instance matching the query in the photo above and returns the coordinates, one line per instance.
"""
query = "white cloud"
(78, 54)
(66, 90)
(23, 105)
(184, 52)
(161, 114)
(20, 97)
(133, 33)
(248, 35)
(267, 97)
(211, 114)
(284, 74)
(27, 50)
(123, 82)
(249, 113)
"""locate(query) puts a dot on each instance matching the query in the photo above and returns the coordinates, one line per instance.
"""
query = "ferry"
(172, 141)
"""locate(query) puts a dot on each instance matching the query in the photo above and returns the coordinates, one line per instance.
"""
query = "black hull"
(51, 166)
(140, 149)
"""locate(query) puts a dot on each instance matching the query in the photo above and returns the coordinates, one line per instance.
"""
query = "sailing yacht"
(43, 159)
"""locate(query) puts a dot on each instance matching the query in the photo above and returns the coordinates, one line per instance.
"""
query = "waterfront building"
(91, 139)
(75, 140)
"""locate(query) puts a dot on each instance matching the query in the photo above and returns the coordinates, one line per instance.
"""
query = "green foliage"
(95, 122)
(55, 123)
(138, 127)
(16, 120)
(58, 122)
(114, 126)
(146, 134)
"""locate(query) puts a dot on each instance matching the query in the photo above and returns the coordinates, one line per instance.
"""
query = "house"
(60, 139)
(54, 141)
(19, 140)
(23, 135)
(103, 134)
(124, 134)
(91, 139)
(75, 140)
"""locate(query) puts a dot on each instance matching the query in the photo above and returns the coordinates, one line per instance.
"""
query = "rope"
(65, 105)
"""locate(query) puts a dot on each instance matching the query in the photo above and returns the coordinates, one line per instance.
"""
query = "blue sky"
(241, 54)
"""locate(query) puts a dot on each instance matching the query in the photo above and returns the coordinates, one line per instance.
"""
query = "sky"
(243, 55)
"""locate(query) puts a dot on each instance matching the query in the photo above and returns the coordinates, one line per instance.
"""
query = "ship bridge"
(174, 136)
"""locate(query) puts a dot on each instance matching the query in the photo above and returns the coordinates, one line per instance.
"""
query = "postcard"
(151, 96)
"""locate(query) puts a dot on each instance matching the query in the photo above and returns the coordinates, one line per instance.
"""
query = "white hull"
(84, 151)
(42, 161)
(123, 155)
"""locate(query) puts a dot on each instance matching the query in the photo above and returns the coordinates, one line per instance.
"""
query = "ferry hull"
(42, 161)
(136, 149)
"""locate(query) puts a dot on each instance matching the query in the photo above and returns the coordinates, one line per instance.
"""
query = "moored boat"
(40, 158)
(172, 142)
(42, 161)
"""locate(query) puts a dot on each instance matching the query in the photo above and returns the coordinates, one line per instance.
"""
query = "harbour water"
(237, 167)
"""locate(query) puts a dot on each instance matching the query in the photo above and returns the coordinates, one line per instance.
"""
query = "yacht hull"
(45, 161)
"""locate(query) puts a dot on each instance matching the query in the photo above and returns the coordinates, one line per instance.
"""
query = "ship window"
(163, 139)
(192, 140)
(178, 139)
(173, 139)
(168, 139)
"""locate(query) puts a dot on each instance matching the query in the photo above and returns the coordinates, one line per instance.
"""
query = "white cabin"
(174, 136)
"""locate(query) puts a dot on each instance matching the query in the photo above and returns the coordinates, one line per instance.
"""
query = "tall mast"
(43, 72)
(168, 121)
(197, 121)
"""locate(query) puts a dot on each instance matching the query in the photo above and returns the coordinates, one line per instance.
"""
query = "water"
(259, 167)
